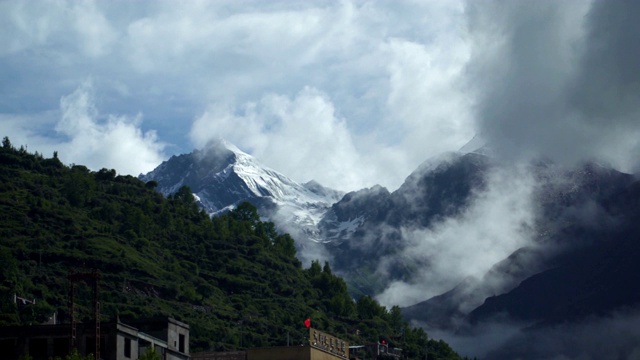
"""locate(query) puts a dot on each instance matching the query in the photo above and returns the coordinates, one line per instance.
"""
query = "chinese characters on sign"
(328, 343)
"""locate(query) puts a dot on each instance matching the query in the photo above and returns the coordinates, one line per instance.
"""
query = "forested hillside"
(232, 278)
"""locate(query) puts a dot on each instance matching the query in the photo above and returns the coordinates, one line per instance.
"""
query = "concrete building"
(118, 341)
(321, 346)
(273, 353)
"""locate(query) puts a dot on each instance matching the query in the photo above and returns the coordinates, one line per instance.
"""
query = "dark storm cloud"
(608, 83)
(557, 79)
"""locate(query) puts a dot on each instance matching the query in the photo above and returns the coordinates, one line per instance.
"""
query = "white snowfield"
(232, 176)
(299, 208)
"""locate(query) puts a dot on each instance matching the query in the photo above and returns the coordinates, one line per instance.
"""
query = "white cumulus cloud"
(306, 128)
(115, 142)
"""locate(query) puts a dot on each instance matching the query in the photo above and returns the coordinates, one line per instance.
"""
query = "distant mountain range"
(581, 260)
(440, 188)
(221, 176)
(234, 279)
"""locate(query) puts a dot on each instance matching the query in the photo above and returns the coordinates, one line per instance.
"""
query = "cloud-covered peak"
(219, 144)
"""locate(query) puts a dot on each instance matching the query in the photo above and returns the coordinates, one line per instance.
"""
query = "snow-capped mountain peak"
(221, 175)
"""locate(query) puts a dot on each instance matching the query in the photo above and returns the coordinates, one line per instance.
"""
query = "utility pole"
(94, 278)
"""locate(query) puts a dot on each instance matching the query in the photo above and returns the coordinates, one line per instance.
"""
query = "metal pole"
(96, 304)
(73, 278)
(72, 313)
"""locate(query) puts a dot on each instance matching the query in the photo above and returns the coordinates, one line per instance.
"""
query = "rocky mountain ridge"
(221, 176)
(579, 216)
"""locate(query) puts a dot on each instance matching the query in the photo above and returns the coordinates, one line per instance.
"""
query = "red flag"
(307, 322)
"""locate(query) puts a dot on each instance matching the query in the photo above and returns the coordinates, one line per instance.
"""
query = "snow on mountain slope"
(474, 145)
(221, 176)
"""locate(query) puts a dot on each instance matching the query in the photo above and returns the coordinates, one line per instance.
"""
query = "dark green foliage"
(76, 356)
(149, 354)
(152, 184)
(233, 278)
(6, 143)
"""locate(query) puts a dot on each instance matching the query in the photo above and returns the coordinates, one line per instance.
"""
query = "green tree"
(151, 184)
(327, 269)
(284, 245)
(6, 143)
(314, 270)
(9, 267)
(75, 355)
(395, 319)
(246, 212)
(105, 174)
(368, 308)
(183, 195)
(149, 354)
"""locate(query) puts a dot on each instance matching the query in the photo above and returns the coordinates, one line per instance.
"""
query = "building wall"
(321, 355)
(178, 336)
(124, 334)
(290, 353)
(328, 343)
(48, 341)
(43, 342)
(228, 355)
(280, 353)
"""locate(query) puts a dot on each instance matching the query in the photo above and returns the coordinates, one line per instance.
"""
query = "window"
(8, 346)
(181, 341)
(60, 347)
(127, 347)
(38, 348)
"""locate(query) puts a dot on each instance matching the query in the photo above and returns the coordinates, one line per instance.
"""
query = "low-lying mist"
(498, 221)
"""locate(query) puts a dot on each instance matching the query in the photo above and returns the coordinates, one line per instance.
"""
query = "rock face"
(367, 225)
(581, 269)
(221, 176)
(581, 261)
(598, 273)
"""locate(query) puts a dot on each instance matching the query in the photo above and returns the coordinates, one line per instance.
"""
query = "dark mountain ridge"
(162, 257)
(584, 220)
(198, 170)
(581, 267)
(438, 189)
(222, 176)
(597, 275)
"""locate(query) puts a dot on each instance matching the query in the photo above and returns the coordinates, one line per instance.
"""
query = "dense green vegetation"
(233, 278)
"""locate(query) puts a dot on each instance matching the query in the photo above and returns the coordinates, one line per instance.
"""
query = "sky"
(348, 93)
